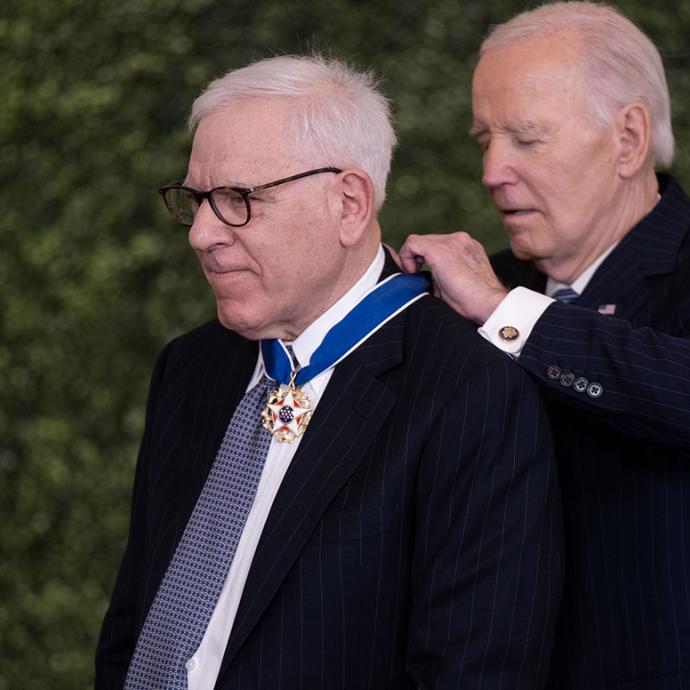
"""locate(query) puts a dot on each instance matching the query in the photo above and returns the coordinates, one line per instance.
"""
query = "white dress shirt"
(203, 667)
(521, 308)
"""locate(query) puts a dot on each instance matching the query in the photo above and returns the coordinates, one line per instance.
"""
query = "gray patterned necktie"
(567, 295)
(187, 595)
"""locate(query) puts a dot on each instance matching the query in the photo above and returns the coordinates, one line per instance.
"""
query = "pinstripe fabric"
(624, 457)
(415, 540)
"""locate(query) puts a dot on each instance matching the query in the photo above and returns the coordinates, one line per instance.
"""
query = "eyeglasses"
(230, 204)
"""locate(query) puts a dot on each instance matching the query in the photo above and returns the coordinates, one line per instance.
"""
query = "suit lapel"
(351, 412)
(194, 408)
(649, 249)
(225, 375)
(619, 282)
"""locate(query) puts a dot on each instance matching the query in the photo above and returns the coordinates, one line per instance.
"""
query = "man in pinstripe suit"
(410, 537)
(572, 110)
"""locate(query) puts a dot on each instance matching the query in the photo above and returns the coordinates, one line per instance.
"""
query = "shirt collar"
(581, 282)
(306, 343)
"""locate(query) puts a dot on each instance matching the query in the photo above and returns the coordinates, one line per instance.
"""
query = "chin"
(248, 323)
(239, 322)
(521, 252)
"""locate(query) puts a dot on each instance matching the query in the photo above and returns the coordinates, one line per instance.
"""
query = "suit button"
(594, 390)
(567, 378)
(580, 384)
(553, 372)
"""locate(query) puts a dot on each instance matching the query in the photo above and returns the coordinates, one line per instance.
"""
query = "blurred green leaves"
(94, 278)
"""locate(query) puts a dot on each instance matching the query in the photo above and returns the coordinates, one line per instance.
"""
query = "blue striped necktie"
(187, 596)
(565, 295)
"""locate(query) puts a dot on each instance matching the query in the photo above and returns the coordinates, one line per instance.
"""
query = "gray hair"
(342, 118)
(619, 62)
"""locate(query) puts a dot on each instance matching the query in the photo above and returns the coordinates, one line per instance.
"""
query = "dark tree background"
(94, 278)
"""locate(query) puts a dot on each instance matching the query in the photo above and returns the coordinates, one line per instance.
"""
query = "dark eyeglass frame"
(244, 192)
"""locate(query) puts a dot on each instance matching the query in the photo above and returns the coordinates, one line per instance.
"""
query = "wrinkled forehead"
(530, 73)
(247, 140)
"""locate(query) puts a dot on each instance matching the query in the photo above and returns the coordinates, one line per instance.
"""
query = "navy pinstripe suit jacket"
(415, 540)
(624, 457)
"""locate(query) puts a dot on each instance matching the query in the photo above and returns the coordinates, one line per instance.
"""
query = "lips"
(516, 211)
(213, 264)
(228, 277)
(225, 278)
(518, 217)
(224, 270)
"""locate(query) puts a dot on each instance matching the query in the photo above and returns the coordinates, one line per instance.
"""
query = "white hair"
(342, 118)
(618, 61)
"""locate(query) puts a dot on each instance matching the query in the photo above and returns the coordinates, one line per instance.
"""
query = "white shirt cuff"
(512, 321)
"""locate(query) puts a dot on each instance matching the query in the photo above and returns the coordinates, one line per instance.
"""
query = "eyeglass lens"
(229, 205)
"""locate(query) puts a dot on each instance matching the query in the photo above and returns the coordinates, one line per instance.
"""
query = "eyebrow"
(238, 185)
(528, 127)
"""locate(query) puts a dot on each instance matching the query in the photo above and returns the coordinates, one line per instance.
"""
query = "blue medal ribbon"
(379, 305)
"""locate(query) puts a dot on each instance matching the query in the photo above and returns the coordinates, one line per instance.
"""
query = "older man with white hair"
(571, 109)
(340, 485)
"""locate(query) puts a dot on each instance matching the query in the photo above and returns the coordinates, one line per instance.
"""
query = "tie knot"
(565, 295)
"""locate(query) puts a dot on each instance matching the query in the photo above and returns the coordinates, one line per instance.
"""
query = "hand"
(394, 255)
(462, 274)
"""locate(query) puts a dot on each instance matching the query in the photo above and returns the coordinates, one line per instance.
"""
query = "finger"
(394, 254)
(411, 262)
(422, 249)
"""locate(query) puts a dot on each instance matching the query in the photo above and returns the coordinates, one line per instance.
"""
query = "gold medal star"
(287, 414)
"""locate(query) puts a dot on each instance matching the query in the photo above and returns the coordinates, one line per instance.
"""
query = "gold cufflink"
(508, 333)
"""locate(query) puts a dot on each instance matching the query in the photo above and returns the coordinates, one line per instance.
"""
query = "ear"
(634, 134)
(356, 206)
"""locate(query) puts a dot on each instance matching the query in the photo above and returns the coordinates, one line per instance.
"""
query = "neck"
(341, 280)
(630, 203)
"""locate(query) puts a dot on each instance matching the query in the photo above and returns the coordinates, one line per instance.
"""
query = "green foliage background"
(94, 278)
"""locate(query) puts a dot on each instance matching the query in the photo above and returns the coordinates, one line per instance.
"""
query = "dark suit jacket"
(415, 540)
(624, 457)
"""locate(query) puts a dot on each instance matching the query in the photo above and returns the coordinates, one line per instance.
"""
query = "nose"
(208, 231)
(498, 165)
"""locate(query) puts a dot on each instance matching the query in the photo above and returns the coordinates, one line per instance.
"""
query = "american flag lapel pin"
(607, 309)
